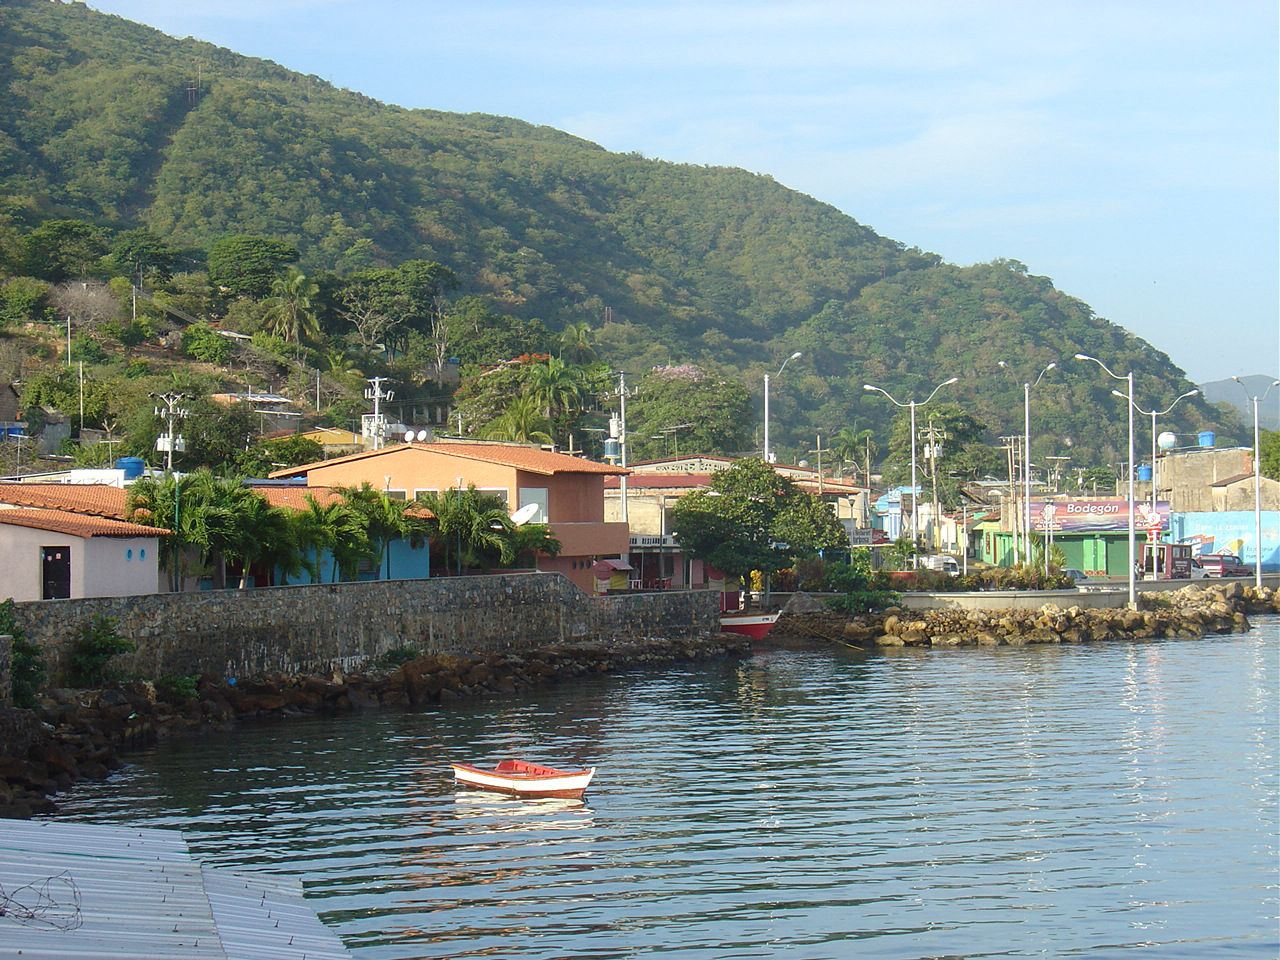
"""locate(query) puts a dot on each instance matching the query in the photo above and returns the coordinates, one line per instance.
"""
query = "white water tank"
(1167, 440)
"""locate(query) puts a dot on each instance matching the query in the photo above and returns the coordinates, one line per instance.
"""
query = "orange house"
(568, 491)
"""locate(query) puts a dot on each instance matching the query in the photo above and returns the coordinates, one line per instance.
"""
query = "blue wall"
(1232, 532)
(402, 562)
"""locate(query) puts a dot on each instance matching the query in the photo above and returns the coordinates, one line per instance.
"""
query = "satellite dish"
(524, 514)
(409, 436)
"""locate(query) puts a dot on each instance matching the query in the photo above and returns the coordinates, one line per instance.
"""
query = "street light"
(1153, 414)
(1257, 483)
(1128, 378)
(911, 405)
(1026, 460)
(794, 356)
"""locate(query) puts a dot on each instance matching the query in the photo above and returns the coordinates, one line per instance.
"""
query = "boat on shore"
(519, 778)
(754, 625)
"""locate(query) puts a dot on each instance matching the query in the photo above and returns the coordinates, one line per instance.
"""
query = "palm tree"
(555, 386)
(157, 501)
(851, 446)
(383, 518)
(469, 525)
(290, 315)
(331, 527)
(522, 421)
(575, 341)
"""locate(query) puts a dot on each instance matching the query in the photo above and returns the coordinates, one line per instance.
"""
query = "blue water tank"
(1144, 472)
(132, 466)
(1206, 438)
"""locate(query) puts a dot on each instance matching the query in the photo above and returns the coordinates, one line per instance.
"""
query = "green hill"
(113, 122)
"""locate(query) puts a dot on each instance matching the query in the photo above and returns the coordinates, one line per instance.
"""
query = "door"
(55, 572)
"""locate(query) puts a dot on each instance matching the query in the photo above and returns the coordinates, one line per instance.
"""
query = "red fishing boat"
(754, 625)
(519, 778)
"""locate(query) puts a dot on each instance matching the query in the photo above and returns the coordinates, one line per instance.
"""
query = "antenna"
(524, 514)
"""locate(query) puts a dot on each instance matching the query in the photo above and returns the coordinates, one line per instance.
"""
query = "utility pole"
(171, 412)
(375, 393)
(933, 438)
(1011, 447)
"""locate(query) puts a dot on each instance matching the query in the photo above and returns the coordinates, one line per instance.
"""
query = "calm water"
(808, 802)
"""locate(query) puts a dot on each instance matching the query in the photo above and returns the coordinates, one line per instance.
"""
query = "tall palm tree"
(290, 313)
(575, 342)
(555, 386)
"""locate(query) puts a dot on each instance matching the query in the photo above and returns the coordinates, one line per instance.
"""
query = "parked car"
(941, 563)
(1077, 576)
(1222, 565)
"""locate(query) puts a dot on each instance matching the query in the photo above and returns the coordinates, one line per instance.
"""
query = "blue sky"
(1127, 149)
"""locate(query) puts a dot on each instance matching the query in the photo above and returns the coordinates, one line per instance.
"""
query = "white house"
(57, 555)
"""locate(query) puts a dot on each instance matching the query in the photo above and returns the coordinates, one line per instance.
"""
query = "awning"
(602, 568)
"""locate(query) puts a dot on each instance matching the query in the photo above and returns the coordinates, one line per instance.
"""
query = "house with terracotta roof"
(54, 554)
(567, 492)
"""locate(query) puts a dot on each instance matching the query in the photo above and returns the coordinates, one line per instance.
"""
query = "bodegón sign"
(1084, 516)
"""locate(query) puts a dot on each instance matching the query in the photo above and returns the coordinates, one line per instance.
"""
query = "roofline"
(601, 469)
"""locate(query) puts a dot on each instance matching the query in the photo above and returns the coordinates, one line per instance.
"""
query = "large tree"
(245, 266)
(696, 409)
(753, 518)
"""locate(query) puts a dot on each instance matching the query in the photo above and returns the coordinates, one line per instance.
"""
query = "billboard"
(1092, 516)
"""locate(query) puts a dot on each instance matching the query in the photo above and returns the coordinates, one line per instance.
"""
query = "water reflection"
(808, 802)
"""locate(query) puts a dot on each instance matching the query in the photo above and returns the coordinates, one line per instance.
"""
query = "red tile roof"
(295, 498)
(77, 525)
(94, 499)
(530, 459)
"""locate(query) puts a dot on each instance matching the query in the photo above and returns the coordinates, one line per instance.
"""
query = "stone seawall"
(316, 628)
(1188, 612)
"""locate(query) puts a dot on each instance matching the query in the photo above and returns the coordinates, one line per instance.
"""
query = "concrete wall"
(313, 628)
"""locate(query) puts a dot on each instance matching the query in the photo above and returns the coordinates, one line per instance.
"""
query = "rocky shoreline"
(79, 734)
(1189, 612)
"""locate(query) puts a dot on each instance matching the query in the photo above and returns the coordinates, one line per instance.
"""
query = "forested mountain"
(111, 122)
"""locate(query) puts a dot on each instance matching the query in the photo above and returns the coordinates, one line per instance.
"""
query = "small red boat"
(754, 625)
(519, 778)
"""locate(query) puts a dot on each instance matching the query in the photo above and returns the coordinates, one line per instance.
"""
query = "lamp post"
(794, 356)
(1026, 459)
(911, 405)
(1128, 378)
(1257, 484)
(1153, 414)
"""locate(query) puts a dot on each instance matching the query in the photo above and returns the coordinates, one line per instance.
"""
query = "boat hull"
(753, 625)
(530, 781)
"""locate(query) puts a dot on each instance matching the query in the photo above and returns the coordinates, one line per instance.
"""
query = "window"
(535, 495)
(395, 494)
(421, 492)
(500, 493)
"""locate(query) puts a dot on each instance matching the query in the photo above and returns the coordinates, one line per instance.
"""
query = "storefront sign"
(1084, 516)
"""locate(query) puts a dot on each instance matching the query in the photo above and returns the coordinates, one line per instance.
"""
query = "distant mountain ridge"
(1238, 396)
(109, 120)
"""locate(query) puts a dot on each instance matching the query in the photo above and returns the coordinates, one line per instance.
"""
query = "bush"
(26, 669)
(397, 656)
(23, 300)
(865, 601)
(88, 349)
(177, 690)
(201, 342)
(98, 642)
